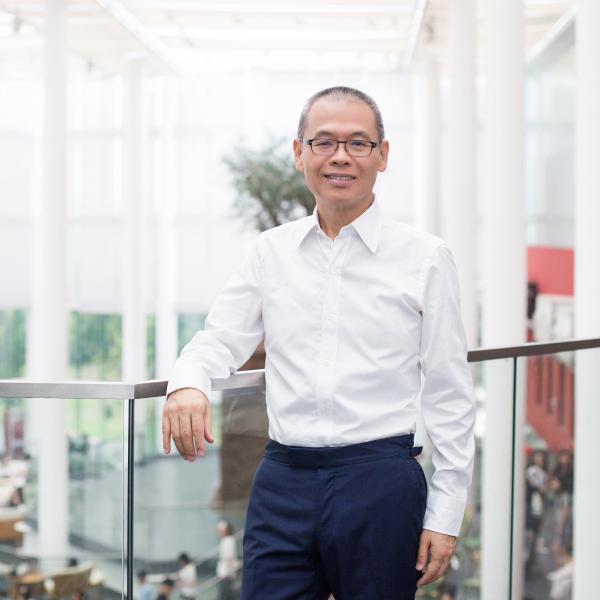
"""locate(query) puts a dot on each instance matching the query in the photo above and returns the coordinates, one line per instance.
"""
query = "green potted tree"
(270, 191)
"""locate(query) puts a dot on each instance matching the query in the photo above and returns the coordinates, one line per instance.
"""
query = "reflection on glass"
(92, 563)
(549, 459)
(189, 517)
(462, 579)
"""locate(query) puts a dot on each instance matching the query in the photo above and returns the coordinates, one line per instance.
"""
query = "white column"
(427, 148)
(587, 293)
(460, 228)
(48, 337)
(166, 317)
(504, 279)
(134, 314)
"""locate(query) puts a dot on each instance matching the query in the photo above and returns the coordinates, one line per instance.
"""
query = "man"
(145, 589)
(352, 308)
(228, 564)
(187, 577)
(165, 589)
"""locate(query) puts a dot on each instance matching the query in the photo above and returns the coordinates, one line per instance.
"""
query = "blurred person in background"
(536, 486)
(145, 590)
(165, 589)
(187, 577)
(228, 563)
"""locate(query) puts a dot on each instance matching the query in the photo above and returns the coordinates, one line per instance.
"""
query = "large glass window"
(187, 325)
(151, 346)
(12, 343)
(95, 346)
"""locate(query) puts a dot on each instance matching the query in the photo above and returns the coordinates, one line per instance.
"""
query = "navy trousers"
(343, 520)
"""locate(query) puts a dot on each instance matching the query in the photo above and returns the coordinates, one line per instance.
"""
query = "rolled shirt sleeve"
(233, 330)
(447, 395)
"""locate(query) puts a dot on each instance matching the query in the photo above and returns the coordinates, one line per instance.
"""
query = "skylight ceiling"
(188, 37)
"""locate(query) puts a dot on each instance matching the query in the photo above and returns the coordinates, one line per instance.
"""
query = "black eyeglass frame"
(337, 145)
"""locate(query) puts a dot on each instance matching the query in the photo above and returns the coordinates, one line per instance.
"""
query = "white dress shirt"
(349, 324)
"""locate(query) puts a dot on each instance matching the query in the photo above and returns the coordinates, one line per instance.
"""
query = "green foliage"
(94, 343)
(151, 346)
(95, 346)
(270, 190)
(12, 343)
(187, 326)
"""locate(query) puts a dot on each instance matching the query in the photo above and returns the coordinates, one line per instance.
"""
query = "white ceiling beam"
(342, 46)
(267, 36)
(17, 40)
(121, 14)
(414, 32)
(252, 8)
(557, 39)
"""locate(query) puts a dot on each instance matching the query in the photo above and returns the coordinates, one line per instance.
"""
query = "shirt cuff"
(189, 377)
(444, 514)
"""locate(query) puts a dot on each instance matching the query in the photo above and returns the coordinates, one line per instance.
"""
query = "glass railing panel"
(80, 550)
(493, 383)
(548, 392)
(179, 505)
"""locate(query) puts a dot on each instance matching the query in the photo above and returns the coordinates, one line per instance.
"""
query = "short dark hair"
(339, 92)
(227, 526)
(184, 557)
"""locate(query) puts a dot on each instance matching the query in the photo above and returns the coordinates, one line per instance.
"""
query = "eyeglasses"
(327, 147)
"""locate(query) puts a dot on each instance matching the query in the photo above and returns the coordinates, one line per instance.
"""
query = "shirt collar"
(367, 225)
(308, 224)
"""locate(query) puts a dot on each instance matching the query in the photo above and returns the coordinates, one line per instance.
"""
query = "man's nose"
(341, 154)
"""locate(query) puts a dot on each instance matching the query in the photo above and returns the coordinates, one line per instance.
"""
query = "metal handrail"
(532, 349)
(16, 388)
(108, 390)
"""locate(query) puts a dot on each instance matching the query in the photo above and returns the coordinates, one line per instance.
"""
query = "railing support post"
(129, 514)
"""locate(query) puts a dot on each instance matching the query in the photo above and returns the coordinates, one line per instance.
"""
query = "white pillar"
(134, 313)
(427, 148)
(504, 280)
(48, 337)
(587, 293)
(166, 317)
(461, 221)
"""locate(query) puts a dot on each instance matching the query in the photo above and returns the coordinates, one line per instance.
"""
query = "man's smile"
(339, 178)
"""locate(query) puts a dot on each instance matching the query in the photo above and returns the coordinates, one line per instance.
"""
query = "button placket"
(330, 320)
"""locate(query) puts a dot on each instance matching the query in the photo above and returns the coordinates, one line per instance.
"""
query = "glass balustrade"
(550, 386)
(183, 510)
(62, 491)
(179, 505)
(493, 381)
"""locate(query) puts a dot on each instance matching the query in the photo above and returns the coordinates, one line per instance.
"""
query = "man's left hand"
(440, 547)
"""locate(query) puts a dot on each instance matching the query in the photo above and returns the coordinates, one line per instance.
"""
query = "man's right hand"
(187, 419)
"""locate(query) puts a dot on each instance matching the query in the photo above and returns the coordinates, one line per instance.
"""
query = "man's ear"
(384, 149)
(297, 149)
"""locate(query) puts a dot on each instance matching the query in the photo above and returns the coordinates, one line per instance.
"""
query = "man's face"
(341, 181)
